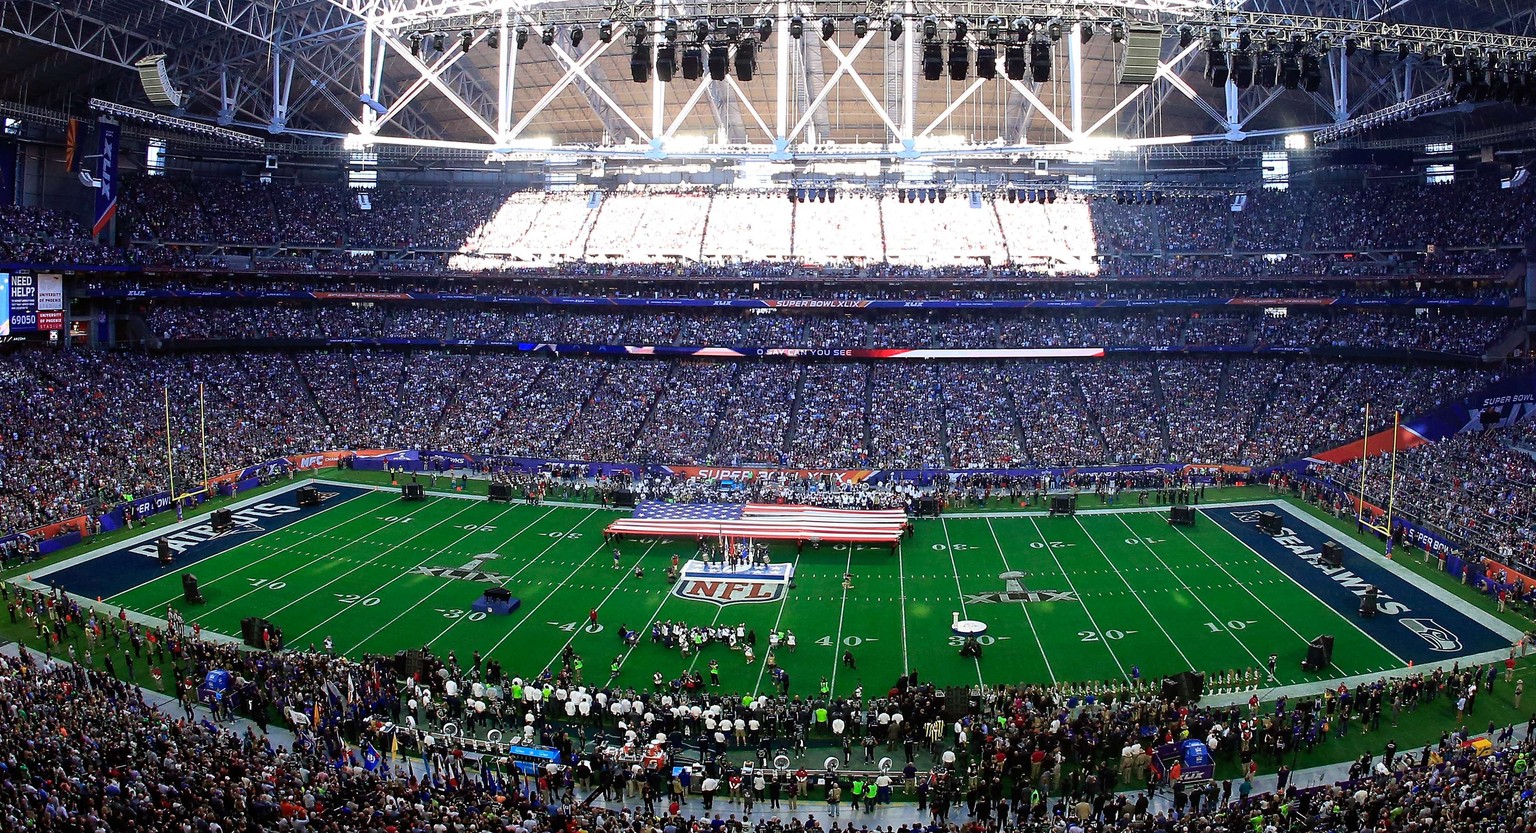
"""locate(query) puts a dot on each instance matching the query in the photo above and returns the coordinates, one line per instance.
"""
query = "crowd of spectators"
(486, 229)
(829, 428)
(1476, 489)
(1432, 329)
(906, 423)
(684, 422)
(1376, 229)
(756, 416)
(89, 426)
(86, 750)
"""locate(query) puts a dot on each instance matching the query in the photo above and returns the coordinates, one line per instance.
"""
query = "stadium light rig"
(1402, 111)
(154, 119)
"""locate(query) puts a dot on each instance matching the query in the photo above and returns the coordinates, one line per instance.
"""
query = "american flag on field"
(763, 521)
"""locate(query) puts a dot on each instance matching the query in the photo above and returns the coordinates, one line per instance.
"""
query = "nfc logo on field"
(708, 582)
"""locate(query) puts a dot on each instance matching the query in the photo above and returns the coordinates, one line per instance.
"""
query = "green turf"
(1152, 597)
(1053, 627)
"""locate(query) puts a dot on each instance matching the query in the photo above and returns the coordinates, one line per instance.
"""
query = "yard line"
(552, 592)
(305, 540)
(644, 631)
(837, 641)
(443, 585)
(780, 618)
(1134, 594)
(901, 581)
(1084, 602)
(1256, 598)
(1024, 605)
(625, 575)
(714, 623)
(310, 564)
(949, 546)
(1258, 663)
(370, 562)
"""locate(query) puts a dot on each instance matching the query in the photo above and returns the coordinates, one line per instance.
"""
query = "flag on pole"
(72, 145)
(371, 758)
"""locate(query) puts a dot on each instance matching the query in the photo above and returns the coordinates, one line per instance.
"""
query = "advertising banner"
(23, 303)
(108, 132)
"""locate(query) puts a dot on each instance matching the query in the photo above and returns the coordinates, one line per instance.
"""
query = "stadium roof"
(300, 68)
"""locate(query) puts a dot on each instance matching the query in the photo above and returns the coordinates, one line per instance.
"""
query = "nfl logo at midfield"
(704, 582)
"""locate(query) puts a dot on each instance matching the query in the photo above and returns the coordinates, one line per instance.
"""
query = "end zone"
(119, 567)
(1419, 624)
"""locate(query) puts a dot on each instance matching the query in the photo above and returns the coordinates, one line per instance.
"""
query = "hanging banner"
(106, 197)
(72, 146)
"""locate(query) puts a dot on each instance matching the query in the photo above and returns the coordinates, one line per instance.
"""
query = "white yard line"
(1135, 595)
(950, 547)
(1084, 602)
(780, 618)
(624, 575)
(1025, 605)
(1258, 663)
(553, 591)
(439, 588)
(837, 641)
(1255, 596)
(371, 562)
(307, 565)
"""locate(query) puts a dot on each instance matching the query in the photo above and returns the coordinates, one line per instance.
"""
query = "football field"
(1103, 595)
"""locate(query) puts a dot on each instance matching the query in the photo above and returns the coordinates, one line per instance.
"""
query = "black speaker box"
(308, 496)
(1194, 685)
(1368, 604)
(500, 594)
(1333, 554)
(223, 520)
(956, 699)
(1319, 654)
(163, 550)
(1269, 523)
(928, 507)
(1063, 504)
(499, 491)
(250, 631)
(407, 663)
(189, 591)
(624, 499)
(1173, 688)
(412, 491)
(1181, 515)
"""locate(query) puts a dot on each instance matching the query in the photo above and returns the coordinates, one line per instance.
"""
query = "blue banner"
(108, 134)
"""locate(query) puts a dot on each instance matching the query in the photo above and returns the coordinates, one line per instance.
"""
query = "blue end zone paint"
(1409, 622)
(133, 564)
